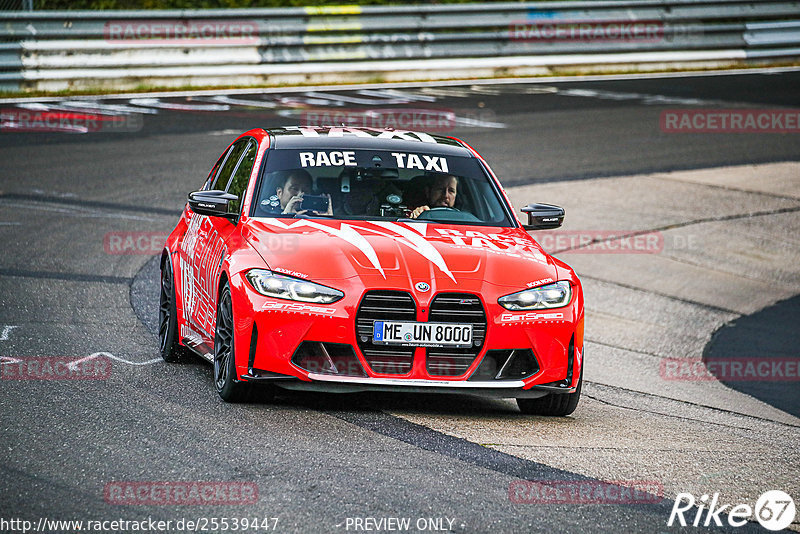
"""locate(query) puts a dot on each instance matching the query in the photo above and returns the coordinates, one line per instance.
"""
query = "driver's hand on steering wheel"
(417, 212)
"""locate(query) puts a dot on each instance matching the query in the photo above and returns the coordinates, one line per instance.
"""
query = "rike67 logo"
(774, 510)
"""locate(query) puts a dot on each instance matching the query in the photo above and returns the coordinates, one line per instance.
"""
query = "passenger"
(441, 193)
(288, 197)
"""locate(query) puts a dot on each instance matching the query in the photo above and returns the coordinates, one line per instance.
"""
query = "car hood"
(400, 254)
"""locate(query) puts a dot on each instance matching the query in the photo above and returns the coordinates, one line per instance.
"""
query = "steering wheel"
(427, 214)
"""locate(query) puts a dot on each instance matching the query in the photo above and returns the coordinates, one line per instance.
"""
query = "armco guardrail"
(123, 49)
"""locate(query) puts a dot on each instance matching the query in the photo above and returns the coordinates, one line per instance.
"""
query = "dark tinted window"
(214, 170)
(372, 184)
(223, 177)
(241, 176)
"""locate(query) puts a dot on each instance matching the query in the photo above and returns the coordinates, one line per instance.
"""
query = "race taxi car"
(348, 259)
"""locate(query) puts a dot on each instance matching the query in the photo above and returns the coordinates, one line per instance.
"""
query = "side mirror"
(543, 216)
(213, 203)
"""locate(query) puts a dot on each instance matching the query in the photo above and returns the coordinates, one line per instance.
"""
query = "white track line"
(6, 331)
(74, 364)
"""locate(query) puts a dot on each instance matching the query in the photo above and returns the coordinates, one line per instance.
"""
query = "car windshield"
(381, 185)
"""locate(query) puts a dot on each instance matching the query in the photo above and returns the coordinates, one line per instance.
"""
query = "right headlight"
(281, 286)
(555, 295)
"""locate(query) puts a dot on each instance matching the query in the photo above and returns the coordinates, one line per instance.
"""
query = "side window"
(229, 165)
(213, 173)
(241, 175)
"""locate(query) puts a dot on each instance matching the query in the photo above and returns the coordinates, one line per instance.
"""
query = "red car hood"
(394, 254)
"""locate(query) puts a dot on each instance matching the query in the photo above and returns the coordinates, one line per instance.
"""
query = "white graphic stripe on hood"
(417, 243)
(345, 232)
(412, 238)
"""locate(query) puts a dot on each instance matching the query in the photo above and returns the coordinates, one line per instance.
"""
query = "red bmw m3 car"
(349, 259)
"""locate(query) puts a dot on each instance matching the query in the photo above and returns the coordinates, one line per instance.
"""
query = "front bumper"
(326, 383)
(270, 334)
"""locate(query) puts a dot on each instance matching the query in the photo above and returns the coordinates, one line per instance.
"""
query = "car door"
(187, 253)
(212, 234)
(193, 256)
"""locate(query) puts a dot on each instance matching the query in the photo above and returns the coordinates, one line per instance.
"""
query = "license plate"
(408, 334)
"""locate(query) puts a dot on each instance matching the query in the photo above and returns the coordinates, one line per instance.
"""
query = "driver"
(288, 196)
(441, 193)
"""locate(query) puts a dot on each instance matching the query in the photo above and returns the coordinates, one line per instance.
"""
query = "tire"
(171, 349)
(229, 388)
(553, 404)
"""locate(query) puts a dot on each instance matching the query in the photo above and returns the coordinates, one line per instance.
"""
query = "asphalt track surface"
(771, 331)
(318, 460)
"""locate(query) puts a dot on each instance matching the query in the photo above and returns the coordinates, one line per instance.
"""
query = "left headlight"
(555, 295)
(280, 286)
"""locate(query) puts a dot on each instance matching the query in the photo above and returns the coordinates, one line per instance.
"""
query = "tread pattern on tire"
(235, 391)
(554, 404)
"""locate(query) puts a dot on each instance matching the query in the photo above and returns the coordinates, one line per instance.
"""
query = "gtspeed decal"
(528, 317)
(297, 307)
(413, 161)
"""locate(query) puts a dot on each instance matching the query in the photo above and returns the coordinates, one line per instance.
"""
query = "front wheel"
(229, 388)
(553, 404)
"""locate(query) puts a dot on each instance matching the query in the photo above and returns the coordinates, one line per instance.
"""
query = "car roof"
(346, 137)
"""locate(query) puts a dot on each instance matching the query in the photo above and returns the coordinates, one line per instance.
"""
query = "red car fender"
(241, 258)
(564, 272)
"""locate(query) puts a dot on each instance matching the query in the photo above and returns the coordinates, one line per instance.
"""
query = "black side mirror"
(213, 203)
(543, 216)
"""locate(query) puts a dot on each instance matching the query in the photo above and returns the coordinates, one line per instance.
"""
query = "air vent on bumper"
(328, 358)
(511, 364)
(456, 308)
(385, 306)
